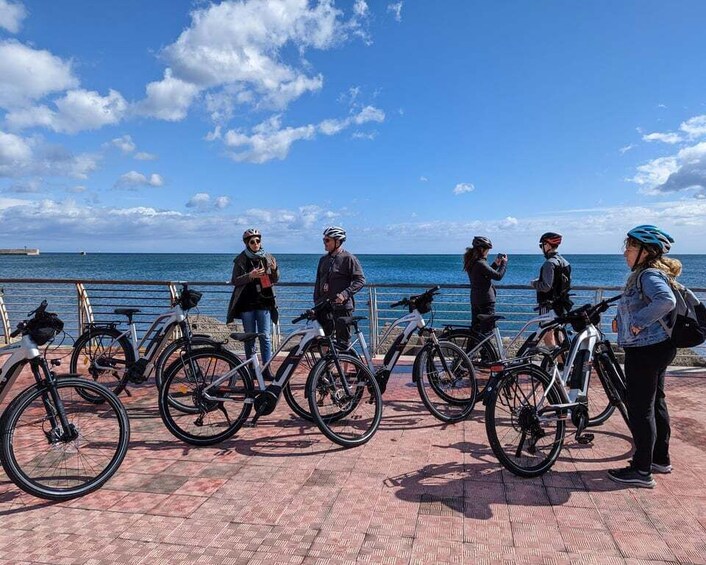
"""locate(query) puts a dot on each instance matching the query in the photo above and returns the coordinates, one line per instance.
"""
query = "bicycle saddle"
(245, 336)
(489, 317)
(350, 320)
(126, 311)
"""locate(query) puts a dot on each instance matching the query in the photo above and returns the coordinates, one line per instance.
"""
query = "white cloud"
(685, 170)
(124, 143)
(670, 138)
(133, 180)
(240, 53)
(694, 127)
(626, 148)
(269, 140)
(168, 99)
(396, 10)
(143, 156)
(11, 15)
(202, 202)
(423, 179)
(77, 110)
(28, 74)
(21, 156)
(463, 187)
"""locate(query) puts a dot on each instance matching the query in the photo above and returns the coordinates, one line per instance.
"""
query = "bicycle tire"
(295, 390)
(486, 355)
(207, 421)
(511, 412)
(60, 473)
(102, 355)
(176, 346)
(445, 380)
(350, 417)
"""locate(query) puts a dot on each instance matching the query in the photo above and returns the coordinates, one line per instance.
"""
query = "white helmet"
(335, 232)
(251, 232)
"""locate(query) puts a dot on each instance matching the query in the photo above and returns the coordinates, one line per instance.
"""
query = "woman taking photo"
(643, 313)
(481, 275)
(253, 298)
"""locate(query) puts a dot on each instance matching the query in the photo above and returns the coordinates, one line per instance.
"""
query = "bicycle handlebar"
(38, 311)
(311, 313)
(582, 312)
(426, 295)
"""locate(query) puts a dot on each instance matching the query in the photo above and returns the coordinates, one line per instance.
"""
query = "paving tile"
(643, 546)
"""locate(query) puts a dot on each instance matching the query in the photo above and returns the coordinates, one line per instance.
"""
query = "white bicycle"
(54, 443)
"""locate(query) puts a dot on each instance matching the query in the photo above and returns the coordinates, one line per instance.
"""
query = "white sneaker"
(661, 469)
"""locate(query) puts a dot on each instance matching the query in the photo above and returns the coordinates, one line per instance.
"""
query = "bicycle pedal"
(585, 438)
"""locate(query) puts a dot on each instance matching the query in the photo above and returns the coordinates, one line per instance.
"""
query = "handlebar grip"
(402, 302)
(17, 332)
(298, 319)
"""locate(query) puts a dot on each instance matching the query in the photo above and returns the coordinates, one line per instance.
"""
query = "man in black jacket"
(338, 277)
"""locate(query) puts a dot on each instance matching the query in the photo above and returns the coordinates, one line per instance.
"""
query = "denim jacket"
(645, 311)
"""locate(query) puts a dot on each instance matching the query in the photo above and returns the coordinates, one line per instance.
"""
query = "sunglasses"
(253, 240)
(327, 239)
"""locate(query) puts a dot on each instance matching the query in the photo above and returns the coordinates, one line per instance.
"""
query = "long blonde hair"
(655, 260)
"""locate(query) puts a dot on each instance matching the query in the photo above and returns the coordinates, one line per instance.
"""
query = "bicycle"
(53, 443)
(526, 408)
(219, 387)
(112, 357)
(443, 373)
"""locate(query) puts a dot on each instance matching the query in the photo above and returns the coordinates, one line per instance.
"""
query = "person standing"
(339, 276)
(643, 314)
(253, 300)
(481, 276)
(554, 282)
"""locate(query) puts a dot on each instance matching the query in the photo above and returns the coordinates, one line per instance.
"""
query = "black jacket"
(481, 278)
(340, 273)
(240, 279)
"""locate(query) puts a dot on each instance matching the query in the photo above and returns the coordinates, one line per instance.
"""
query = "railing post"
(85, 311)
(4, 316)
(373, 317)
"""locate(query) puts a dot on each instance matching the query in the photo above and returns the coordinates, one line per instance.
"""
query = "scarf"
(255, 256)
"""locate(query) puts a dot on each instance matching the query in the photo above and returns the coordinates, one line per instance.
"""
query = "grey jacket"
(340, 273)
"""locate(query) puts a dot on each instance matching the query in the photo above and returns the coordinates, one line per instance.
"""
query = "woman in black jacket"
(481, 275)
(253, 298)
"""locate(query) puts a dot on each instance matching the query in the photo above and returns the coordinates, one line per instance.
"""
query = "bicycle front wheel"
(199, 408)
(103, 356)
(525, 441)
(446, 381)
(48, 460)
(345, 400)
(480, 351)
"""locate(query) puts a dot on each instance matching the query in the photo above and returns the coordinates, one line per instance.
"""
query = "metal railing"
(81, 301)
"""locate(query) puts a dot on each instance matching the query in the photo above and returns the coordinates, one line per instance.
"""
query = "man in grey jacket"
(339, 276)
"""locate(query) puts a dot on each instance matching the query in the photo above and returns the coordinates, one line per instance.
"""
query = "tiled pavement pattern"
(419, 492)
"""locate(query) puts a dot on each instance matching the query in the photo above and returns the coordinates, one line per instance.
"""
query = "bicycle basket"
(422, 307)
(43, 328)
(189, 299)
(579, 323)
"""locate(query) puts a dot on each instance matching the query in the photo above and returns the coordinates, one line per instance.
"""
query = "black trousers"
(332, 323)
(482, 327)
(647, 406)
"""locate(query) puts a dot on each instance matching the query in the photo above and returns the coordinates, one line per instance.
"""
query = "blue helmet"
(651, 235)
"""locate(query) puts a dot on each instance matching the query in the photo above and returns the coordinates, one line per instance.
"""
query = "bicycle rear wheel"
(214, 413)
(526, 442)
(482, 356)
(345, 400)
(103, 356)
(446, 381)
(49, 461)
(177, 350)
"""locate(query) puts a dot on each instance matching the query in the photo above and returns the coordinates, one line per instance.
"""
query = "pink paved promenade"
(419, 492)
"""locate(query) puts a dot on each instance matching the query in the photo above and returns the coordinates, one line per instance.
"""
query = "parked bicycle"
(54, 444)
(113, 357)
(208, 395)
(526, 408)
(443, 373)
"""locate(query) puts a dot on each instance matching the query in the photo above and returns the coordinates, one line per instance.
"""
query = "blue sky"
(169, 126)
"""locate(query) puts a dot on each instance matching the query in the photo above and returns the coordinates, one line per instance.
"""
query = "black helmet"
(552, 238)
(481, 241)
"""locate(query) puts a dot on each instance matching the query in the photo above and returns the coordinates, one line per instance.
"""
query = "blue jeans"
(258, 321)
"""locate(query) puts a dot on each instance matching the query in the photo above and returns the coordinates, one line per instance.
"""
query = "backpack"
(687, 327)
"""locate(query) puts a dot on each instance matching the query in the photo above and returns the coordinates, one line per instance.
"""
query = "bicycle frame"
(20, 352)
(497, 337)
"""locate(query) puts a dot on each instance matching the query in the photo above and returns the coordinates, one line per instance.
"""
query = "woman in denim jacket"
(643, 312)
